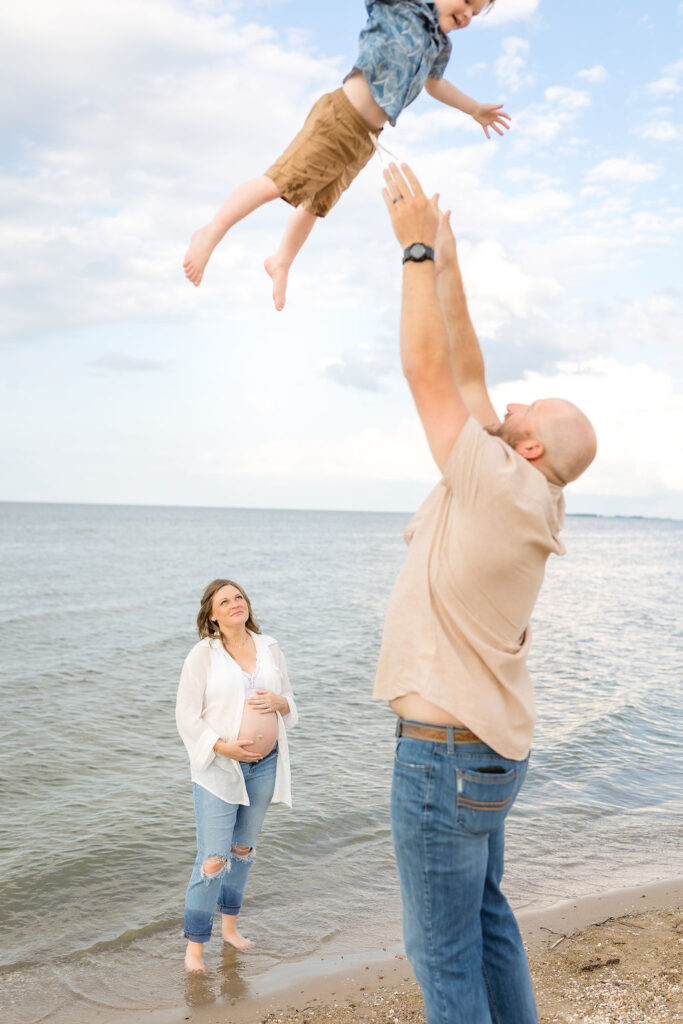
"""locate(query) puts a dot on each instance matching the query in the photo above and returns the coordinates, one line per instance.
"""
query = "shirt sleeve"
(198, 737)
(292, 717)
(441, 60)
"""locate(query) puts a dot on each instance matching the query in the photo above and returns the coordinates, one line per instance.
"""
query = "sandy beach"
(613, 958)
(625, 970)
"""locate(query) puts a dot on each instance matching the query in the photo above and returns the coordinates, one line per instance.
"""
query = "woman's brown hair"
(204, 624)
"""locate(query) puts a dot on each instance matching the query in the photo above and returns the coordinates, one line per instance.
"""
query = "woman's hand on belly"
(238, 750)
(266, 701)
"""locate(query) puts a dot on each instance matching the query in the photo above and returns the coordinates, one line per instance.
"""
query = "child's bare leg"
(244, 200)
(298, 228)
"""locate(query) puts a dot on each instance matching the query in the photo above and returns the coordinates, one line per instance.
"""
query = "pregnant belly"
(262, 729)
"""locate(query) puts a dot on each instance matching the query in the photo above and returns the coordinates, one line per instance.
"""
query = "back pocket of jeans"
(484, 797)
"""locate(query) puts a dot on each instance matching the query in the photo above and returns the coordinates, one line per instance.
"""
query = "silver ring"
(395, 199)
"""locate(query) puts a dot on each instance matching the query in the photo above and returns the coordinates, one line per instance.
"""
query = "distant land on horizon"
(332, 511)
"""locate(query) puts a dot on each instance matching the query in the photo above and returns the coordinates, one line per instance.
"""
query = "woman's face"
(229, 608)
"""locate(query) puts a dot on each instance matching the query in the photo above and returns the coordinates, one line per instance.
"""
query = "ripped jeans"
(220, 827)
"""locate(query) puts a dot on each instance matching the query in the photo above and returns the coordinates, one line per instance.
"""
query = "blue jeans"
(220, 826)
(448, 808)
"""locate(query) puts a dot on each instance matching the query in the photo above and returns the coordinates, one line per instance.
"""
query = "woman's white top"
(254, 680)
(209, 708)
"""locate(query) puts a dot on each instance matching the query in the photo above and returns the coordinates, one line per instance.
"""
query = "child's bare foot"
(202, 244)
(194, 959)
(279, 273)
(231, 935)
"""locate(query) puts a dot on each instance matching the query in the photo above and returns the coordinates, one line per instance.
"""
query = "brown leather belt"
(435, 733)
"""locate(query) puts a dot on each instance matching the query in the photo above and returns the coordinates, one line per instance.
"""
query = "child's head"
(455, 14)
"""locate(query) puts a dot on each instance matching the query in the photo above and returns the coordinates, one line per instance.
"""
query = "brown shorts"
(327, 154)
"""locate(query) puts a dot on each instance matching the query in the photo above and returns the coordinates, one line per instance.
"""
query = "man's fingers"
(397, 184)
(415, 185)
(388, 201)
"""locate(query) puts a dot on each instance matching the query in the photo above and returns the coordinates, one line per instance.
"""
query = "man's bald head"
(553, 434)
(568, 437)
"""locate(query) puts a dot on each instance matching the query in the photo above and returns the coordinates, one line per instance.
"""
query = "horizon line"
(271, 508)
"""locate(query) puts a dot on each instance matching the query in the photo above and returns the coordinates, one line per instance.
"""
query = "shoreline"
(332, 984)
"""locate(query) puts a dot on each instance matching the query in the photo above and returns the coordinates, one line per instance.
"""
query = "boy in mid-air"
(402, 49)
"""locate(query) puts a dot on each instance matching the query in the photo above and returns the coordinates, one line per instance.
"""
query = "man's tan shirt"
(457, 627)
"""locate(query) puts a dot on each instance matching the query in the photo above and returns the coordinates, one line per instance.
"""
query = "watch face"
(418, 250)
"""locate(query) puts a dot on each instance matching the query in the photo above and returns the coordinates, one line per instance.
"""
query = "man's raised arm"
(467, 361)
(425, 347)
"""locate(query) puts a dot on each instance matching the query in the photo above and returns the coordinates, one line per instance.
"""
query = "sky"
(125, 123)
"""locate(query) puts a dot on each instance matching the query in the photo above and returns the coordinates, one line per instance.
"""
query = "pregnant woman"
(234, 703)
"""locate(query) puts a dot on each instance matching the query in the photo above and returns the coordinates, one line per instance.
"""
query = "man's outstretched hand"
(414, 218)
(445, 252)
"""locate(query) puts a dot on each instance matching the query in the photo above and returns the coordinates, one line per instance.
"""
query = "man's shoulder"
(488, 465)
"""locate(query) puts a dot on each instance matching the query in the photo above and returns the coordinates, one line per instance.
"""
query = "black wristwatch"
(418, 252)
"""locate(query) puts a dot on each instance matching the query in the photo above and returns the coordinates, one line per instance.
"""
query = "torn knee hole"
(241, 851)
(212, 865)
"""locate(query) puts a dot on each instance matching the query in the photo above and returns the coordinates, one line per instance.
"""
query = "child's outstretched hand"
(491, 115)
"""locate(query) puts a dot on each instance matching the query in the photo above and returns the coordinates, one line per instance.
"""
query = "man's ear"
(530, 449)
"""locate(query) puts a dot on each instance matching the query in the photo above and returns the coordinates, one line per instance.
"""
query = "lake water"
(97, 611)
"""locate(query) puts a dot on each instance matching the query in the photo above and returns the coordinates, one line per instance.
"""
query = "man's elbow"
(421, 371)
(411, 368)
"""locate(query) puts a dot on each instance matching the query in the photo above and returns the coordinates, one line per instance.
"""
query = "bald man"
(453, 663)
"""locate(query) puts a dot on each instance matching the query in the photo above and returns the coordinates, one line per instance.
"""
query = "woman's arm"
(198, 737)
(288, 710)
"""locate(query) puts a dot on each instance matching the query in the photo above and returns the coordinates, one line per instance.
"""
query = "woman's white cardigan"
(209, 708)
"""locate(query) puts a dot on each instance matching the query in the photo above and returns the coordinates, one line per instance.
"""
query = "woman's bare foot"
(202, 244)
(231, 935)
(194, 957)
(279, 273)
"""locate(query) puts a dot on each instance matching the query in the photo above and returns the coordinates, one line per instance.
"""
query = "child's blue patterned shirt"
(400, 47)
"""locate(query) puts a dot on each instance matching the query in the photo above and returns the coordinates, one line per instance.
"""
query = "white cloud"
(543, 122)
(509, 10)
(666, 86)
(500, 290)
(397, 453)
(669, 84)
(129, 126)
(595, 74)
(661, 131)
(511, 67)
(625, 170)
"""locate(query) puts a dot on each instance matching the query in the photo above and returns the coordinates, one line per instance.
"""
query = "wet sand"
(614, 958)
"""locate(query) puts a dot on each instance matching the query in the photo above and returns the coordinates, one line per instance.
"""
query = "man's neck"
(547, 472)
